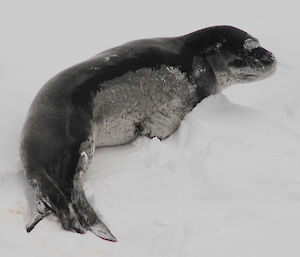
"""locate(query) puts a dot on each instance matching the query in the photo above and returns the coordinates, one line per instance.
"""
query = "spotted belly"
(146, 102)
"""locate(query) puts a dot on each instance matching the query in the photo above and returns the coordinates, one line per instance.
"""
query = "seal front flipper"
(203, 76)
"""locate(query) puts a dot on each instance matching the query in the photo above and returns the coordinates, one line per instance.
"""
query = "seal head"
(234, 55)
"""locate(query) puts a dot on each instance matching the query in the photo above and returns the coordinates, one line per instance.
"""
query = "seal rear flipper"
(88, 217)
(69, 220)
(102, 231)
(90, 220)
(51, 199)
(40, 210)
(35, 219)
(86, 214)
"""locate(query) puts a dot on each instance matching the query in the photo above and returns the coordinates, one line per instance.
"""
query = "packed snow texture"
(227, 183)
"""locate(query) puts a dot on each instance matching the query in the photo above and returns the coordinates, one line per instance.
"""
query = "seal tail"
(86, 214)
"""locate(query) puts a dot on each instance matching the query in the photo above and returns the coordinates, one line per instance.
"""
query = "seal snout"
(267, 59)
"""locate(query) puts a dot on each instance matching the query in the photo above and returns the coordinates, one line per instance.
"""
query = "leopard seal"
(144, 87)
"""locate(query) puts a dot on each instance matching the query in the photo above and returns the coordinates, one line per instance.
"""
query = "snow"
(225, 184)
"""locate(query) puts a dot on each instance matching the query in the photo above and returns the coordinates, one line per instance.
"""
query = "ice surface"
(226, 183)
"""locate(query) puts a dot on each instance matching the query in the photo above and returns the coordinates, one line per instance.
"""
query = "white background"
(227, 183)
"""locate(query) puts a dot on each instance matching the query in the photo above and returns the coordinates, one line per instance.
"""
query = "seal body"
(144, 87)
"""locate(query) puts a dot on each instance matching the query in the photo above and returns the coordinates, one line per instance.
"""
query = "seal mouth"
(259, 75)
(240, 78)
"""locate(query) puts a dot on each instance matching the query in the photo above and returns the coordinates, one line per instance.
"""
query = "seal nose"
(266, 58)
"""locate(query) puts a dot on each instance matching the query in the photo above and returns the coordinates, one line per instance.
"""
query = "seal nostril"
(265, 57)
(266, 60)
